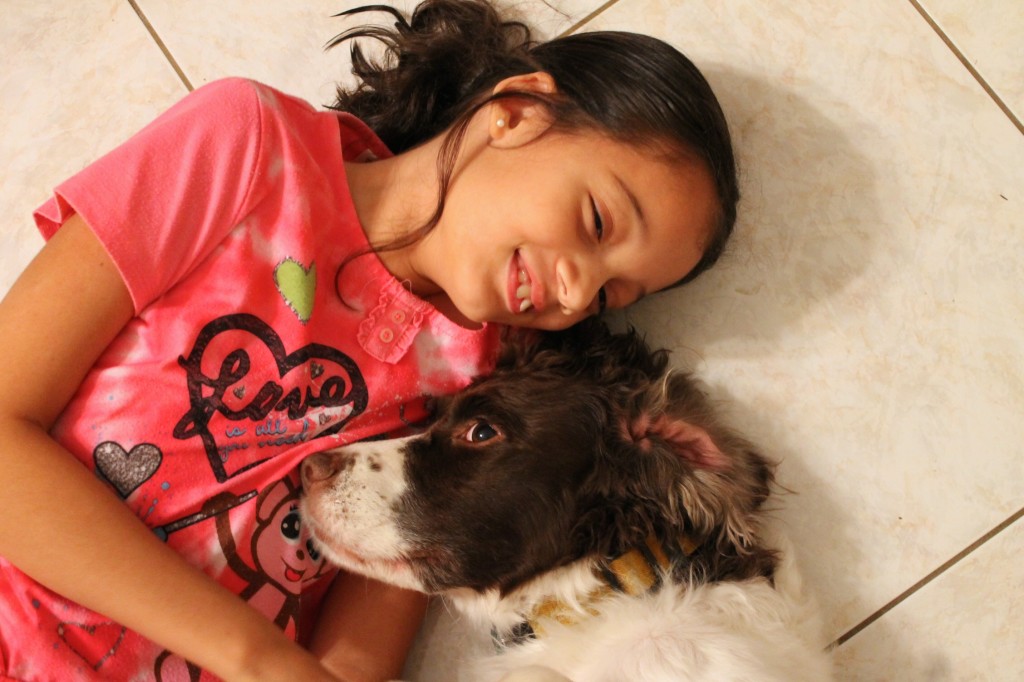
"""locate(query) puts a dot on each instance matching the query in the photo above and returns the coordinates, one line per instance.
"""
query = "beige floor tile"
(990, 35)
(281, 43)
(966, 626)
(76, 83)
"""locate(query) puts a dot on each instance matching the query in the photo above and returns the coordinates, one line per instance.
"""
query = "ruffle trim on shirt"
(389, 329)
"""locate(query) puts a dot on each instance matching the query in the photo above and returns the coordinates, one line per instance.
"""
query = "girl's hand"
(365, 628)
(286, 663)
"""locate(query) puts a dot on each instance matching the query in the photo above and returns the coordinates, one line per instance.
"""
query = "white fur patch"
(746, 630)
(718, 632)
(352, 515)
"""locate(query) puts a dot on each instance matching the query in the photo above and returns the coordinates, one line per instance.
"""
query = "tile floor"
(867, 327)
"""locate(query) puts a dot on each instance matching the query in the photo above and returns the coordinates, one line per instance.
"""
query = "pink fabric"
(230, 219)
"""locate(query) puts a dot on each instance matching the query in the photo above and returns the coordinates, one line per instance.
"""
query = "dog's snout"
(320, 467)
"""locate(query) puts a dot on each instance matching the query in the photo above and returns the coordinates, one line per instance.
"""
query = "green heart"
(297, 286)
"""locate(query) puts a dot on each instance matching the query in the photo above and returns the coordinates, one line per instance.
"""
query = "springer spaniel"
(585, 503)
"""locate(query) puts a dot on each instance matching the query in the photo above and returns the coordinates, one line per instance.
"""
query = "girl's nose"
(578, 284)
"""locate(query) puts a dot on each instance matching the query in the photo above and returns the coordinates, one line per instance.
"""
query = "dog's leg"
(534, 673)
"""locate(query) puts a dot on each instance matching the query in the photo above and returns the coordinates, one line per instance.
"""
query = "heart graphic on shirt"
(126, 470)
(278, 405)
(94, 644)
(297, 286)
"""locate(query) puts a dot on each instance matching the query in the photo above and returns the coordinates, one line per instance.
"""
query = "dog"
(586, 504)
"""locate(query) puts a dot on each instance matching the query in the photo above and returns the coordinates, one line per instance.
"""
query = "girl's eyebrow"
(639, 212)
(639, 221)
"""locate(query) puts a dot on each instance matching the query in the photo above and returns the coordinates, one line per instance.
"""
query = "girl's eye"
(598, 222)
(481, 432)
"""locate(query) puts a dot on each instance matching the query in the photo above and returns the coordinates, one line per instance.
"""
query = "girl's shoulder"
(235, 99)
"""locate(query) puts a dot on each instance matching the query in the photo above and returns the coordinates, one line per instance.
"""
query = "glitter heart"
(126, 470)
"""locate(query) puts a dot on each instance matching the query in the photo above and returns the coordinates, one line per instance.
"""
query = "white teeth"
(523, 292)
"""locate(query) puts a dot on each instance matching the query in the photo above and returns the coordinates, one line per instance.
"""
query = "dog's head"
(580, 445)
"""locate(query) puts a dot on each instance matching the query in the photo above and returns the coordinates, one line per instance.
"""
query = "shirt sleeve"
(162, 201)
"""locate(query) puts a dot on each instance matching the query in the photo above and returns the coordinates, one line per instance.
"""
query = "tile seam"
(916, 587)
(989, 90)
(160, 43)
(587, 19)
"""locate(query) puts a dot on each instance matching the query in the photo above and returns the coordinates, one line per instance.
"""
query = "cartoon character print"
(283, 556)
(283, 559)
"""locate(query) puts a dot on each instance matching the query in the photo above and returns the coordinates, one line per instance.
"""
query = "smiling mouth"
(522, 294)
(292, 574)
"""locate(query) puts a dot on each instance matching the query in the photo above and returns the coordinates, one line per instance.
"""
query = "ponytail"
(435, 65)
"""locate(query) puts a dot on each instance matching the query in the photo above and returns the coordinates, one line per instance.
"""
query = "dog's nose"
(319, 467)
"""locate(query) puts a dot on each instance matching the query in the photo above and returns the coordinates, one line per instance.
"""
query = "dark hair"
(440, 67)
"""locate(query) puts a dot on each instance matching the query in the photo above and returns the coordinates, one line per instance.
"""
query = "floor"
(867, 326)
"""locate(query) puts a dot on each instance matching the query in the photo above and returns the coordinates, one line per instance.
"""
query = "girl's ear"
(514, 121)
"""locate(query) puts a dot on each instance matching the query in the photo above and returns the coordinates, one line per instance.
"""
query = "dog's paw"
(534, 673)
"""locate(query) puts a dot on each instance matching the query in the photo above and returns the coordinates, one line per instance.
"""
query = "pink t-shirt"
(254, 344)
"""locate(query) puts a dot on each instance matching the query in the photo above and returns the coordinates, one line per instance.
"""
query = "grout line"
(970, 67)
(161, 45)
(587, 19)
(927, 579)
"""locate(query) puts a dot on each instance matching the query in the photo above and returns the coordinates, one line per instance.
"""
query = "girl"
(249, 280)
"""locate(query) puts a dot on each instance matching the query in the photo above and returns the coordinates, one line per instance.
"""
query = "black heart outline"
(90, 630)
(236, 365)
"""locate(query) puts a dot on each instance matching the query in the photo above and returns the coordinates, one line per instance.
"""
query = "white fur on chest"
(721, 632)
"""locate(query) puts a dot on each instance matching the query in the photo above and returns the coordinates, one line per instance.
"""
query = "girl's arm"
(60, 524)
(366, 628)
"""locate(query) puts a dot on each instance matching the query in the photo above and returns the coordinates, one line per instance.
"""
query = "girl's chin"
(449, 309)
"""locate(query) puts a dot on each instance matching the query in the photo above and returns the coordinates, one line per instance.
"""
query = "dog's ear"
(674, 412)
(689, 441)
(715, 479)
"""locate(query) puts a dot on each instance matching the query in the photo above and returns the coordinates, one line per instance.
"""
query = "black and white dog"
(585, 503)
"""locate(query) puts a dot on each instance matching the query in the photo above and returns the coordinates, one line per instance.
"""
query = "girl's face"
(537, 234)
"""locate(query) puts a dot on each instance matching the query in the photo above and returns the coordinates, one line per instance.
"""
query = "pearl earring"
(500, 123)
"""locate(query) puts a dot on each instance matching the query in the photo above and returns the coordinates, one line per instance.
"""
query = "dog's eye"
(481, 432)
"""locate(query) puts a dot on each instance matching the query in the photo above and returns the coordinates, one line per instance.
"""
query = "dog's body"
(586, 505)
